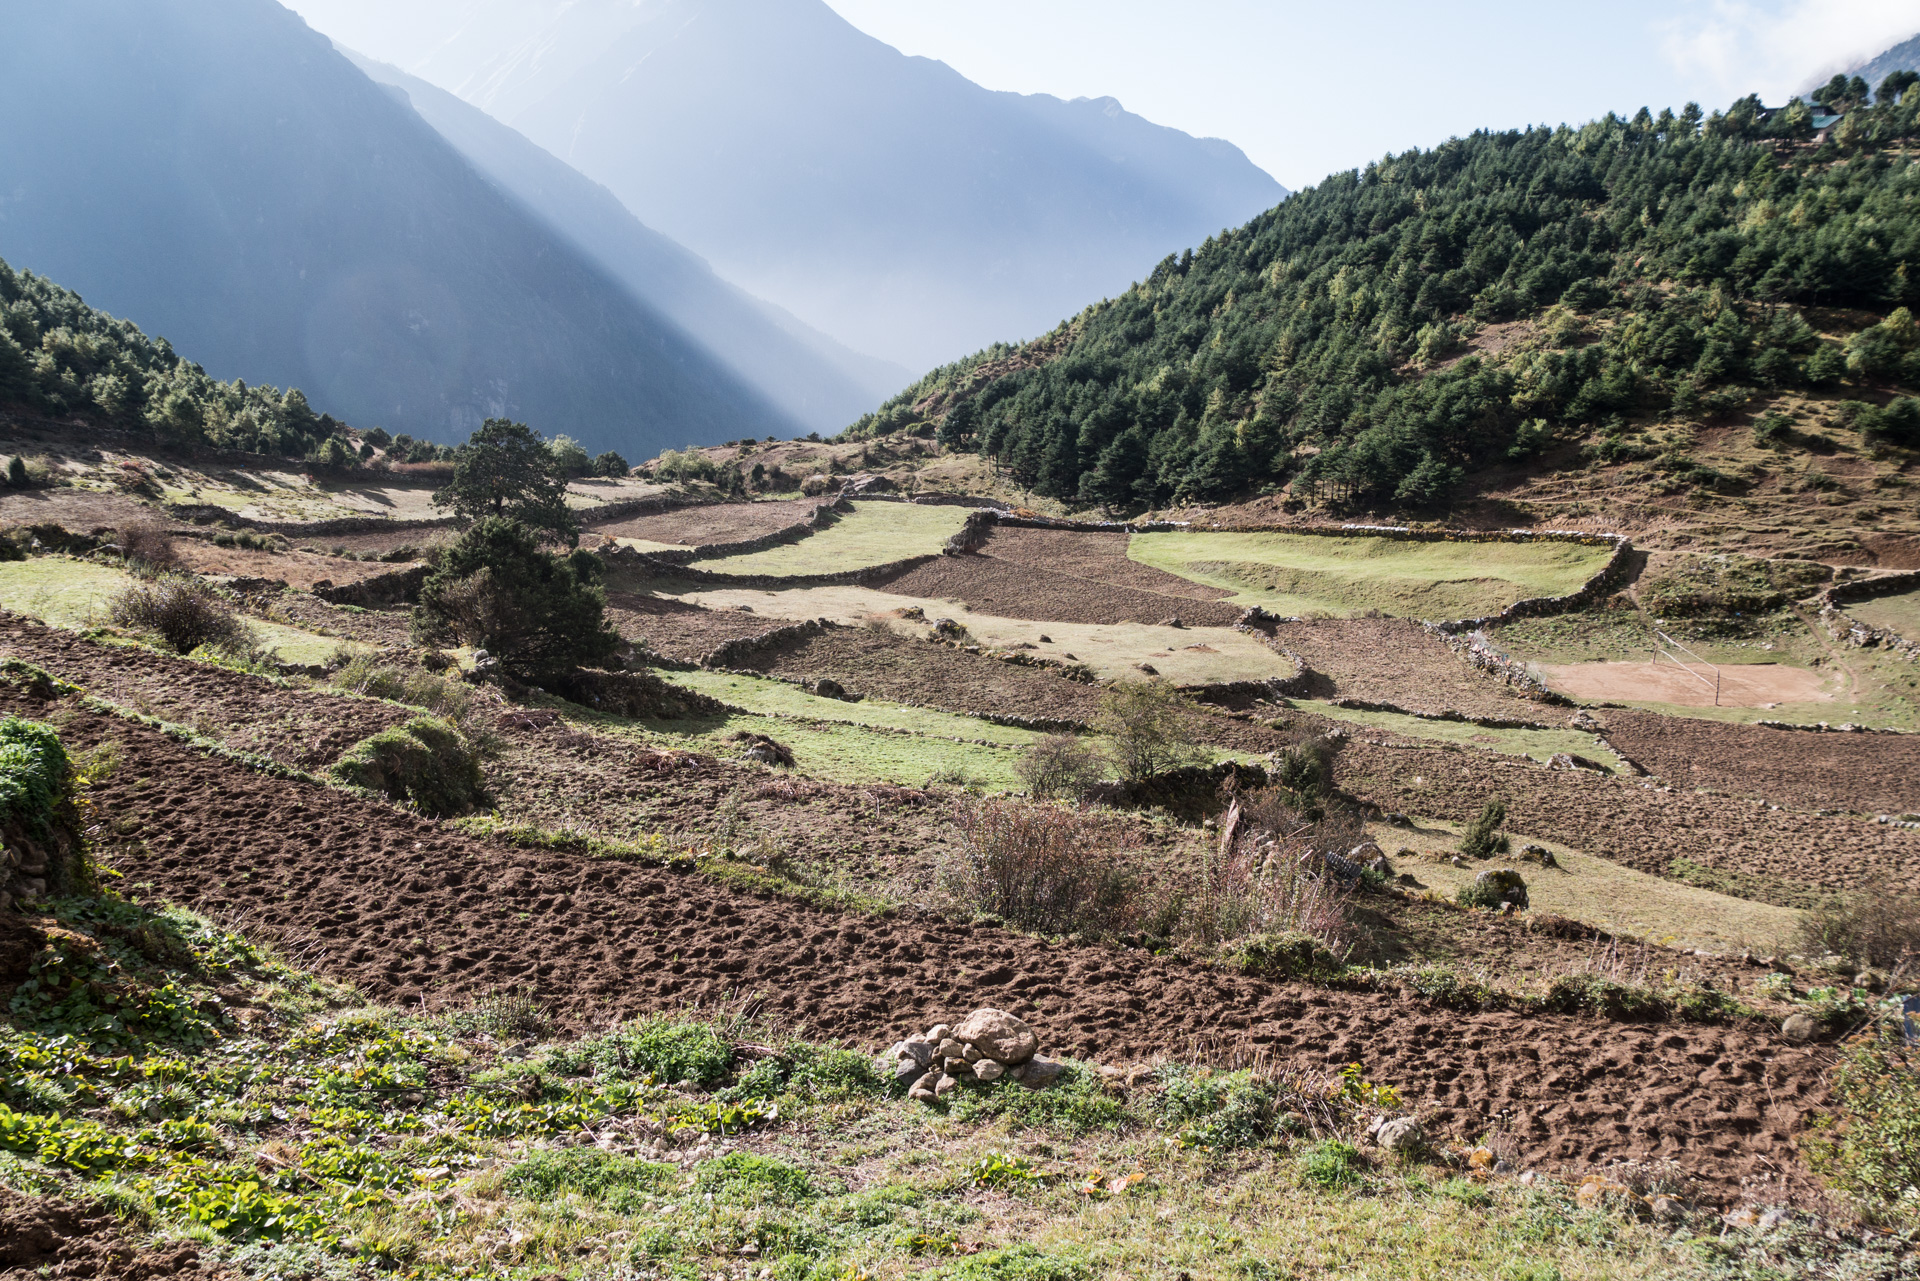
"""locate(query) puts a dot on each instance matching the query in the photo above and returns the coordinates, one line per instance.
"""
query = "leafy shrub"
(36, 776)
(183, 614)
(1150, 728)
(611, 465)
(810, 1072)
(1059, 765)
(744, 1178)
(1482, 838)
(539, 614)
(1871, 1146)
(1332, 1163)
(425, 762)
(1041, 868)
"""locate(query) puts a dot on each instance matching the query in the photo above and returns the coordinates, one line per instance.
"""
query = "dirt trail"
(419, 915)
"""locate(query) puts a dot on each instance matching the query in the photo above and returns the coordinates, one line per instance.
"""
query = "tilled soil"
(907, 670)
(1398, 662)
(297, 569)
(1100, 557)
(79, 510)
(294, 727)
(41, 1237)
(993, 586)
(415, 914)
(686, 633)
(380, 628)
(1632, 822)
(712, 523)
(1863, 773)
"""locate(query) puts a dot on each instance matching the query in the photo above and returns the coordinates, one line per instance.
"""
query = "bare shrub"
(184, 615)
(1877, 926)
(1264, 882)
(148, 548)
(1150, 726)
(1042, 868)
(1059, 765)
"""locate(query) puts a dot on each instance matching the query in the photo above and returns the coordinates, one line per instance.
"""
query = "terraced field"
(874, 533)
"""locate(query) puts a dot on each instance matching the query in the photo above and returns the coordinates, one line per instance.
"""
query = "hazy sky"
(1309, 88)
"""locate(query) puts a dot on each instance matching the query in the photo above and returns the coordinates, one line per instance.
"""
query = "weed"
(1216, 1109)
(1059, 766)
(363, 674)
(1878, 926)
(601, 1176)
(669, 1050)
(1330, 1164)
(1040, 867)
(183, 614)
(1493, 890)
(1870, 1146)
(148, 549)
(742, 1178)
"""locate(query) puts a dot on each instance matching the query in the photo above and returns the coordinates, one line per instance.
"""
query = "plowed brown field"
(416, 914)
(1864, 773)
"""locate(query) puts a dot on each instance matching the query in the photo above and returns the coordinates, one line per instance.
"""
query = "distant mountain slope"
(1904, 56)
(884, 199)
(814, 379)
(215, 172)
(1377, 337)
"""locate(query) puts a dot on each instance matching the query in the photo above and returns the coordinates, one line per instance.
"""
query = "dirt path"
(418, 915)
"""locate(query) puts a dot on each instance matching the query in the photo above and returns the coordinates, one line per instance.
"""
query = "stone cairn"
(985, 1046)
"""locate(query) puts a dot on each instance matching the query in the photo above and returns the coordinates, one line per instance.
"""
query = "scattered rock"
(1668, 1210)
(1173, 622)
(1539, 854)
(1149, 669)
(1800, 1027)
(1037, 1073)
(1046, 640)
(944, 1086)
(988, 1070)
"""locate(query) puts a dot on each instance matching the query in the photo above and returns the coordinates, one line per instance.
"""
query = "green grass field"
(872, 534)
(1303, 573)
(77, 594)
(1900, 614)
(777, 698)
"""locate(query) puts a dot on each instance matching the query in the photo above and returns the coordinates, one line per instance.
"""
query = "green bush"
(539, 614)
(424, 762)
(1491, 889)
(36, 776)
(1482, 838)
(1871, 1145)
(1286, 956)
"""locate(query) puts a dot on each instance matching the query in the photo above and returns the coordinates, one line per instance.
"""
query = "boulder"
(998, 1035)
(1502, 884)
(826, 688)
(1037, 1073)
(944, 1086)
(1402, 1134)
(1800, 1027)
(988, 1070)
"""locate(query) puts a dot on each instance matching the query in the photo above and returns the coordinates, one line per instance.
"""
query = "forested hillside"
(1376, 338)
(59, 356)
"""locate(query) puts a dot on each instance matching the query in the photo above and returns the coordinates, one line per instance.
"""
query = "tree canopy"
(506, 470)
(1354, 342)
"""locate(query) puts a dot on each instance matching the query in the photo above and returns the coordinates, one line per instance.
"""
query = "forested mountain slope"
(216, 172)
(1374, 339)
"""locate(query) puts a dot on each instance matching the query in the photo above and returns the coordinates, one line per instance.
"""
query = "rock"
(1046, 640)
(1871, 980)
(944, 1086)
(988, 1070)
(922, 1092)
(1401, 1134)
(1800, 1027)
(1381, 865)
(937, 1033)
(1038, 1073)
(919, 1051)
(1538, 854)
(906, 1071)
(1668, 1210)
(829, 688)
(1411, 881)
(1148, 668)
(952, 1047)
(1506, 882)
(999, 1036)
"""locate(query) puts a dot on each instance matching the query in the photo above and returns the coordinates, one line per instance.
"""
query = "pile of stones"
(986, 1046)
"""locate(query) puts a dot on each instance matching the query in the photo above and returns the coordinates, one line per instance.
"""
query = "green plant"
(1293, 954)
(506, 472)
(1021, 1262)
(36, 776)
(424, 762)
(668, 1050)
(1483, 838)
(1877, 926)
(365, 674)
(1870, 1144)
(183, 614)
(1216, 1109)
(1059, 765)
(1493, 889)
(1004, 1170)
(591, 1173)
(744, 1178)
(1149, 727)
(1330, 1163)
(538, 614)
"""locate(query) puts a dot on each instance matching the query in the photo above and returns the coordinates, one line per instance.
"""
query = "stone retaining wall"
(399, 587)
(627, 557)
(820, 518)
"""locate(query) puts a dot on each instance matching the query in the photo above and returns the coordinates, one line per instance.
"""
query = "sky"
(1310, 88)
